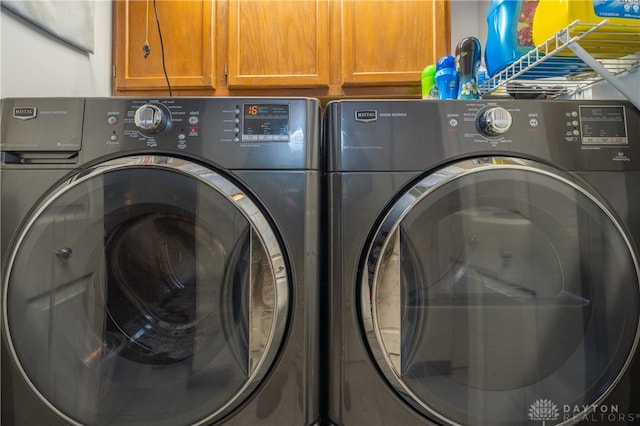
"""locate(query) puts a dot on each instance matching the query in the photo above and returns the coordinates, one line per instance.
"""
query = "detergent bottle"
(509, 32)
(428, 82)
(468, 57)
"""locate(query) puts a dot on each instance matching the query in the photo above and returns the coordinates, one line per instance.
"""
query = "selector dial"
(151, 118)
(494, 121)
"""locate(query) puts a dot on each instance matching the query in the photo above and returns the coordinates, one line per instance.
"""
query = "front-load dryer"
(483, 262)
(160, 261)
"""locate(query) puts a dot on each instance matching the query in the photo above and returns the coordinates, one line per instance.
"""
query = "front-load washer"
(483, 262)
(160, 261)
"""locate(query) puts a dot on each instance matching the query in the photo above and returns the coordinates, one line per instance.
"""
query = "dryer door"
(499, 292)
(146, 290)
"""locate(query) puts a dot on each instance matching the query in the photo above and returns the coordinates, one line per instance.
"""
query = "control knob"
(494, 121)
(151, 118)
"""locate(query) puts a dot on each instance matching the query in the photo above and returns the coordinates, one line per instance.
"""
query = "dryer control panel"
(602, 125)
(494, 121)
(586, 123)
(414, 135)
(578, 134)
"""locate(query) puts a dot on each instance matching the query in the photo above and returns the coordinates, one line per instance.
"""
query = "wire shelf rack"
(575, 58)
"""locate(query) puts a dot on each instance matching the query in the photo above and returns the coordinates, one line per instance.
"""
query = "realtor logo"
(367, 116)
(543, 410)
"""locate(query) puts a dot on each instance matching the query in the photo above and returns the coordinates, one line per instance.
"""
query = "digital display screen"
(603, 125)
(265, 123)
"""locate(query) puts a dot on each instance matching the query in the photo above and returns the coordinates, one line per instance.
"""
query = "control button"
(236, 139)
(534, 122)
(236, 130)
(574, 113)
(112, 119)
(181, 136)
(113, 137)
(193, 120)
(453, 122)
(494, 121)
(151, 118)
(236, 120)
(575, 123)
(576, 132)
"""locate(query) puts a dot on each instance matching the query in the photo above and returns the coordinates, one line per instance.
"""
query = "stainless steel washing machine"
(160, 261)
(483, 262)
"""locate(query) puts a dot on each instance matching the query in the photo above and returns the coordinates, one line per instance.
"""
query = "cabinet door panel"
(392, 41)
(188, 38)
(280, 43)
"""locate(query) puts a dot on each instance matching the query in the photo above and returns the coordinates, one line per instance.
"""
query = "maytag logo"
(25, 113)
(367, 116)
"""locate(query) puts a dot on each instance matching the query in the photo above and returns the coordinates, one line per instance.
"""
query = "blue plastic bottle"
(506, 40)
(447, 78)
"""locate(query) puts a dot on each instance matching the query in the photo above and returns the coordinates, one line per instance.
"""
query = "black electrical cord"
(164, 68)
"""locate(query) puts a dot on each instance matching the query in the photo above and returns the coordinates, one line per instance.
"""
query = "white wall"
(603, 90)
(33, 63)
(468, 19)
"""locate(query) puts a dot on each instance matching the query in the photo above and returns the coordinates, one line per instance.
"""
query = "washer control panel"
(265, 122)
(247, 132)
(233, 132)
(248, 122)
(140, 123)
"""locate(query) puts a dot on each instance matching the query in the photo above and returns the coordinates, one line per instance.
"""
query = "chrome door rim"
(240, 199)
(370, 268)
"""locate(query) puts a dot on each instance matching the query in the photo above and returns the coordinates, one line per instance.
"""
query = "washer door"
(500, 291)
(146, 290)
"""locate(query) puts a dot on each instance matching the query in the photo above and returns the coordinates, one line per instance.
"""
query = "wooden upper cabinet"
(386, 42)
(187, 36)
(321, 48)
(280, 43)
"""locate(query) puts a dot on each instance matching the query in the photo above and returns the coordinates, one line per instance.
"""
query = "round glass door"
(498, 291)
(146, 290)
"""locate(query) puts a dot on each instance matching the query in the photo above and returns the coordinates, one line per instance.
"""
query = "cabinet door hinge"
(113, 71)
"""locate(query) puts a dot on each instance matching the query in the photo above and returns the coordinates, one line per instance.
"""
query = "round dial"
(494, 121)
(151, 118)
